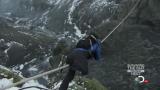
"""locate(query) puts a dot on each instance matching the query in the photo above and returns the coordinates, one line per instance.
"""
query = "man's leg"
(68, 78)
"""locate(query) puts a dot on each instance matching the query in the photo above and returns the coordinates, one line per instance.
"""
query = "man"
(78, 59)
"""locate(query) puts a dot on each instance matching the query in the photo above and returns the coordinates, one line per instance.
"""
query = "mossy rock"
(9, 74)
(88, 84)
(93, 84)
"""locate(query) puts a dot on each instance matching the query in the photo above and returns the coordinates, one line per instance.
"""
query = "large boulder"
(16, 54)
(3, 55)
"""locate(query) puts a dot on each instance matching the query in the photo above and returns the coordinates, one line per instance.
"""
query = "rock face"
(135, 42)
(50, 21)
(3, 54)
(16, 54)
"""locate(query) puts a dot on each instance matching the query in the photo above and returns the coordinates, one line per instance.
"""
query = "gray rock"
(16, 54)
(3, 54)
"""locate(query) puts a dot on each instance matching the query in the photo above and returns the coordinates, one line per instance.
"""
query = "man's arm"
(97, 52)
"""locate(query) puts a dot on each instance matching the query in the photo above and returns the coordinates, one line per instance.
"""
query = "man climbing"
(86, 49)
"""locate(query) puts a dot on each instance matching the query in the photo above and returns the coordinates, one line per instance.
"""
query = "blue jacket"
(79, 57)
(95, 50)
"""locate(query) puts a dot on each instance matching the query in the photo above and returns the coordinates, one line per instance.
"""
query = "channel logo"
(141, 79)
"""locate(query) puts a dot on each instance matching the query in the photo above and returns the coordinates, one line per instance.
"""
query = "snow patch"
(33, 83)
(72, 83)
(4, 68)
(44, 17)
(8, 14)
(33, 69)
(78, 32)
(21, 66)
(6, 82)
(58, 3)
(13, 42)
(57, 85)
(21, 20)
(33, 60)
(55, 2)
(13, 88)
(25, 33)
(19, 73)
(62, 36)
(75, 3)
(101, 3)
(9, 44)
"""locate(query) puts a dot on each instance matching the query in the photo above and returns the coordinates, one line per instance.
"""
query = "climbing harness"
(65, 66)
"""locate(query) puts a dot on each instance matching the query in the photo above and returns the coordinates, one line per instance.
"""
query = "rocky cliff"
(37, 31)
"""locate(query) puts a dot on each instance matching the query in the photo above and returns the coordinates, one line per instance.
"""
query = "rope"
(122, 21)
(33, 87)
(65, 66)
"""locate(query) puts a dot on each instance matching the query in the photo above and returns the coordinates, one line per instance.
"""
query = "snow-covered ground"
(74, 4)
(6, 82)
